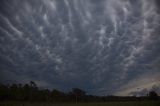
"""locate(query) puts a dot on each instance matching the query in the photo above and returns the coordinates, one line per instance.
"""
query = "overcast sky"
(101, 46)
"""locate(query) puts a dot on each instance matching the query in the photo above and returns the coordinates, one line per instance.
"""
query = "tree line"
(31, 93)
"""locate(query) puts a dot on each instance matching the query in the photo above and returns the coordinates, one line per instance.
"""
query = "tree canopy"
(31, 93)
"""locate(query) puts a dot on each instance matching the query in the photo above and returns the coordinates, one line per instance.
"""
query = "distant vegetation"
(127, 103)
(31, 93)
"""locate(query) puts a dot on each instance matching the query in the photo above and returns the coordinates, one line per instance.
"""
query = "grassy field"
(139, 103)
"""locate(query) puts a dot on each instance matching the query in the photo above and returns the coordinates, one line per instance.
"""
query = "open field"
(139, 103)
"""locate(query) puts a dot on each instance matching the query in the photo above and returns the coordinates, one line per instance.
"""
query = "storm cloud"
(102, 46)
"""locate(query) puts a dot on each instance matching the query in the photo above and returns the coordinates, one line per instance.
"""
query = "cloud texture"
(102, 46)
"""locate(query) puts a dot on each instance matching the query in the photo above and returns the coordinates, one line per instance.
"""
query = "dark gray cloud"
(100, 46)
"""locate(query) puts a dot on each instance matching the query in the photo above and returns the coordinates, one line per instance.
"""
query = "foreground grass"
(138, 103)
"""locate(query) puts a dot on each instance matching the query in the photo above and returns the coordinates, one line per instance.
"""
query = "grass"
(138, 103)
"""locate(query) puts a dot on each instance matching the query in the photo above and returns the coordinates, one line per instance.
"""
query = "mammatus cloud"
(104, 47)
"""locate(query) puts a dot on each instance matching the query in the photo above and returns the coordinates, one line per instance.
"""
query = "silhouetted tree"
(4, 92)
(153, 95)
(57, 95)
(31, 93)
(78, 93)
(33, 84)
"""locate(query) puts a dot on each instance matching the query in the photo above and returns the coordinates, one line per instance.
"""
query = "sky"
(105, 47)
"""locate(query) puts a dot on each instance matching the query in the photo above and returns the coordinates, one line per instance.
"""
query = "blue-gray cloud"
(100, 46)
